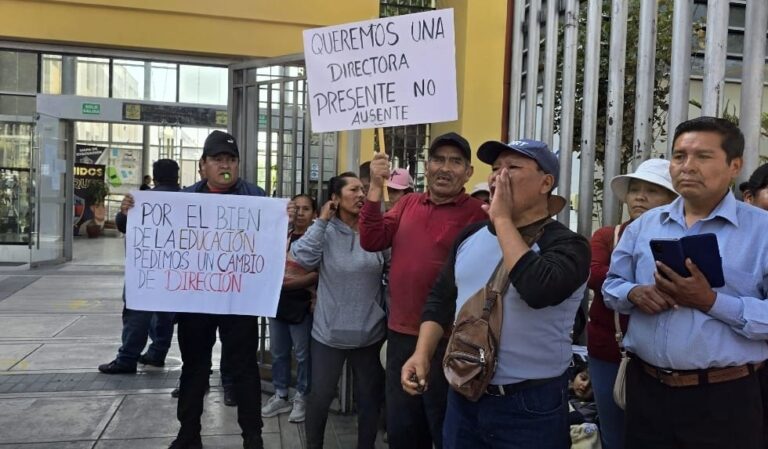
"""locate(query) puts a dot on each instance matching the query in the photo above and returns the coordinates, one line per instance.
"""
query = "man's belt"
(690, 378)
(510, 389)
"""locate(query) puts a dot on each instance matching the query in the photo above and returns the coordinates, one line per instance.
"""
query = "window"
(50, 78)
(201, 84)
(18, 72)
(128, 79)
(17, 105)
(735, 42)
(390, 8)
(92, 79)
(163, 81)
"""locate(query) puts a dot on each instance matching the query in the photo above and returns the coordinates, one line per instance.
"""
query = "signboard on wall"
(387, 72)
(88, 154)
(174, 115)
(193, 252)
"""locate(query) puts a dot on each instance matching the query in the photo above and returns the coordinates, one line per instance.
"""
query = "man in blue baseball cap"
(525, 405)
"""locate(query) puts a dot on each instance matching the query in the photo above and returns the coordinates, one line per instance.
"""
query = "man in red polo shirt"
(420, 229)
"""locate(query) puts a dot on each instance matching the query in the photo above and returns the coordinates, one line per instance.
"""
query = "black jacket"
(542, 279)
(121, 219)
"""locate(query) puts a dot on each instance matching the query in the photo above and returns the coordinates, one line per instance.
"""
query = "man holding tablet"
(695, 350)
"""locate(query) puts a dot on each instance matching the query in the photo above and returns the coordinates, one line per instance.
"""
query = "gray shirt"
(350, 309)
(546, 287)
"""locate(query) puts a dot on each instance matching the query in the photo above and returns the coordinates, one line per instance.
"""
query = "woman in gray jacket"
(349, 320)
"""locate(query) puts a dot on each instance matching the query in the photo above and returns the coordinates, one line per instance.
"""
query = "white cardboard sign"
(385, 72)
(205, 253)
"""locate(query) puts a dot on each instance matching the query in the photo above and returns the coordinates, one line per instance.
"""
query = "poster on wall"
(387, 72)
(122, 165)
(190, 252)
(84, 175)
(124, 169)
(89, 154)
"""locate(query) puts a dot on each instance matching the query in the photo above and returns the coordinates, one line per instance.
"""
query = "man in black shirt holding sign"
(239, 333)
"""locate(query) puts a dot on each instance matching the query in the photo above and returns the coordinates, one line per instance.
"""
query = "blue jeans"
(603, 375)
(282, 338)
(138, 325)
(533, 418)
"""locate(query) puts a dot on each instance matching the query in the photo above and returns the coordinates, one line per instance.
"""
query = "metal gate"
(537, 78)
(270, 119)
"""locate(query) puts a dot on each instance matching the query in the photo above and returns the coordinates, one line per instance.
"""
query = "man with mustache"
(420, 229)
(692, 379)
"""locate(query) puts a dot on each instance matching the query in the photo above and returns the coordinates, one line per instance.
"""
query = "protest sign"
(194, 252)
(386, 72)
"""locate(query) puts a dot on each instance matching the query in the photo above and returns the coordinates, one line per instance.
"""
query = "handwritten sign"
(206, 253)
(386, 72)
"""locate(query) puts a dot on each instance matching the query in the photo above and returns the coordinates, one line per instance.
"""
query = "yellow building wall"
(480, 46)
(245, 28)
(267, 28)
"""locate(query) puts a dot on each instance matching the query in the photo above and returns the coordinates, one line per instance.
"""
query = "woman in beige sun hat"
(648, 187)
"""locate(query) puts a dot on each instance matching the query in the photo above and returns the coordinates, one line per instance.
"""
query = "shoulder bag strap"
(616, 322)
(499, 281)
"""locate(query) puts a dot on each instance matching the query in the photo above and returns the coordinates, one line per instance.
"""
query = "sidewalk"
(56, 326)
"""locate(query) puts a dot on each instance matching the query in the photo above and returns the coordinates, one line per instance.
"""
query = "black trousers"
(239, 345)
(414, 422)
(713, 416)
(763, 376)
(327, 364)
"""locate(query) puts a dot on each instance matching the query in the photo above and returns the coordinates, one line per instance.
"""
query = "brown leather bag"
(471, 355)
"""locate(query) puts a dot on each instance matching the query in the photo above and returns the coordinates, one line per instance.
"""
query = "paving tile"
(13, 353)
(291, 435)
(94, 326)
(50, 304)
(209, 442)
(39, 420)
(55, 445)
(34, 326)
(59, 356)
(9, 285)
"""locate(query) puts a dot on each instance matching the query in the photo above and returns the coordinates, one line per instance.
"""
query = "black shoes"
(181, 443)
(229, 398)
(144, 360)
(115, 368)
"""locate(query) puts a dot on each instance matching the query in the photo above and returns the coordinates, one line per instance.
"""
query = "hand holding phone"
(701, 249)
(328, 210)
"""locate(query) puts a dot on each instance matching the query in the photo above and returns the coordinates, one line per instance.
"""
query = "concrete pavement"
(57, 324)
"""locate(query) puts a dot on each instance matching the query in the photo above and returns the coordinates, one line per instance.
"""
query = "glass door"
(48, 192)
(15, 149)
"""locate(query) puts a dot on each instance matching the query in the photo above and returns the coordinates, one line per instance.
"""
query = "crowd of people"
(368, 279)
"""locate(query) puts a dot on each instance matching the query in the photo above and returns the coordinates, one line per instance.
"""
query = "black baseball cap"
(219, 142)
(453, 140)
(165, 169)
(757, 180)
